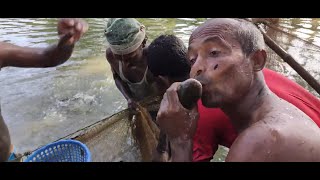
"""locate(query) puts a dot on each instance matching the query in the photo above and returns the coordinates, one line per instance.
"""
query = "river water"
(43, 105)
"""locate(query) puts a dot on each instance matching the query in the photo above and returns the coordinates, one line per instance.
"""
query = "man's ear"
(259, 59)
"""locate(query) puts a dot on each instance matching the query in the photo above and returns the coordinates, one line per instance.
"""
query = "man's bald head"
(244, 32)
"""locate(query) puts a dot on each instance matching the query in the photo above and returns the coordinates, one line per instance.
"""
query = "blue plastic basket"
(61, 151)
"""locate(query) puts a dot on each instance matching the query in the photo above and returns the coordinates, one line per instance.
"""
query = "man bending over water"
(127, 56)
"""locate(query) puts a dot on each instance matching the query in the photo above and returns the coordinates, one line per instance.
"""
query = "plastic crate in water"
(61, 151)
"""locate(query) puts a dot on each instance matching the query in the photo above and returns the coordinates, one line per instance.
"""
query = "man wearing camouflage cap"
(126, 54)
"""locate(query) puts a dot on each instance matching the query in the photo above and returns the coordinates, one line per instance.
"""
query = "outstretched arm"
(69, 30)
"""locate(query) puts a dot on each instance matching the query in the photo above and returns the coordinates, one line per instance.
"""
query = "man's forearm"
(181, 150)
(17, 56)
(56, 55)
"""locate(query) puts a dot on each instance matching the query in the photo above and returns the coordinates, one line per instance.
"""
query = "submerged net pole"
(291, 61)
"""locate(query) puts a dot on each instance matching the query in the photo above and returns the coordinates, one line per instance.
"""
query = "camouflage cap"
(124, 35)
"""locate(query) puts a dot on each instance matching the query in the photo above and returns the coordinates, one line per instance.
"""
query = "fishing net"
(120, 137)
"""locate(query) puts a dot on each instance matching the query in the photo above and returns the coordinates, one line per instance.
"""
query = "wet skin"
(270, 129)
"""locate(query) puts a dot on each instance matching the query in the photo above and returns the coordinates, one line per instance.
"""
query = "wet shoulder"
(285, 111)
(251, 145)
(278, 138)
